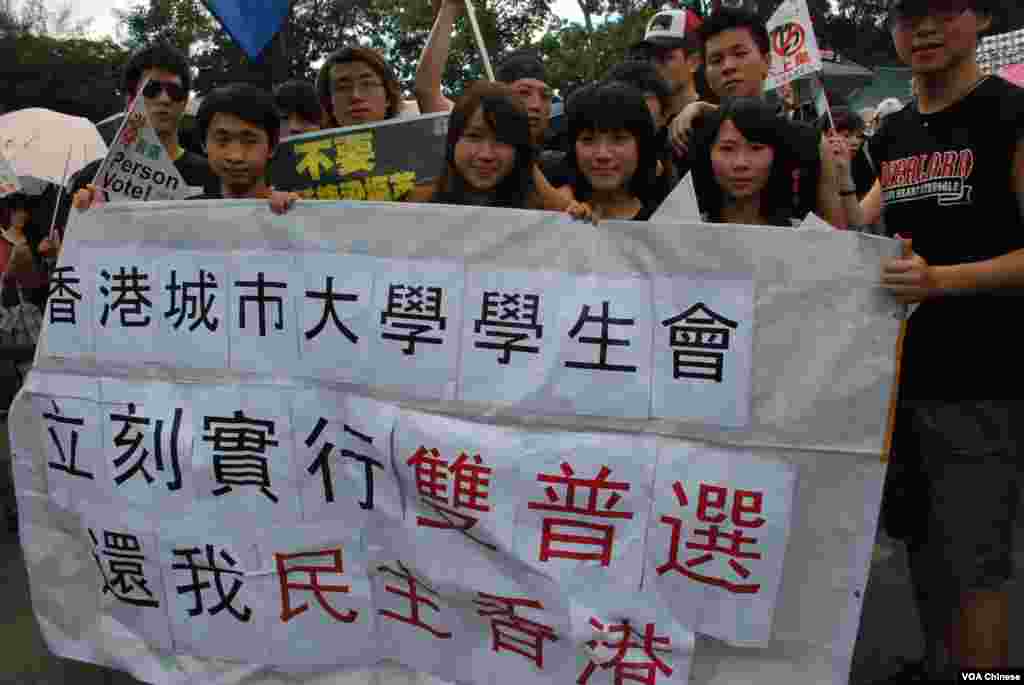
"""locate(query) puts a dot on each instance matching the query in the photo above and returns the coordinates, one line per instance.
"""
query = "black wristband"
(847, 193)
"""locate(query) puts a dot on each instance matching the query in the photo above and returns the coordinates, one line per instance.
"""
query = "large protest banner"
(382, 161)
(368, 440)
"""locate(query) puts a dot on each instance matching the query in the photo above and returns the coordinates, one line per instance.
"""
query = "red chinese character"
(803, 58)
(606, 532)
(630, 670)
(469, 490)
(287, 612)
(712, 497)
(415, 599)
(515, 633)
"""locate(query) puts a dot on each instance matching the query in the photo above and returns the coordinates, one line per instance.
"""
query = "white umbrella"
(48, 145)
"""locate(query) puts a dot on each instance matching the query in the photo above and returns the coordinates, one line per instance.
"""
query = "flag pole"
(471, 15)
(60, 194)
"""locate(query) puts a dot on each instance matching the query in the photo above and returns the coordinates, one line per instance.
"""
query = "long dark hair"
(507, 117)
(759, 123)
(607, 107)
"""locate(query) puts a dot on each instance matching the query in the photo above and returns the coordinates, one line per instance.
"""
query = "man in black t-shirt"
(165, 98)
(951, 183)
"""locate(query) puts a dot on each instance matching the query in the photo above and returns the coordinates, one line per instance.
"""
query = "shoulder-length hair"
(506, 116)
(609, 107)
(370, 58)
(759, 123)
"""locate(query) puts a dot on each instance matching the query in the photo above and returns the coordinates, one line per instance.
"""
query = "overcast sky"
(104, 22)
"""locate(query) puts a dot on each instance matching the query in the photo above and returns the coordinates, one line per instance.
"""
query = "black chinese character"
(409, 302)
(197, 586)
(330, 297)
(63, 296)
(67, 460)
(515, 312)
(694, 344)
(322, 462)
(134, 442)
(127, 577)
(604, 341)
(193, 306)
(129, 289)
(260, 299)
(233, 468)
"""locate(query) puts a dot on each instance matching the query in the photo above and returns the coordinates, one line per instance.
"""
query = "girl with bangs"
(488, 158)
(613, 153)
(742, 165)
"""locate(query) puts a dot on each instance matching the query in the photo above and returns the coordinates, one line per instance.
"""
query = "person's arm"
(682, 125)
(549, 197)
(433, 59)
(842, 160)
(911, 279)
(830, 206)
(871, 206)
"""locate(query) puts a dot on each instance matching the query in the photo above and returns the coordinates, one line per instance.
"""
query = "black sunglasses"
(173, 90)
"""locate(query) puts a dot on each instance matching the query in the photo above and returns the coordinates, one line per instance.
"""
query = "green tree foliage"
(44, 62)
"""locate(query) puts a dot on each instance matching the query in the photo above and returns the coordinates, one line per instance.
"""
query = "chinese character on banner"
(415, 600)
(197, 585)
(330, 298)
(603, 342)
(511, 317)
(312, 158)
(63, 297)
(413, 308)
(68, 453)
(332, 564)
(641, 668)
(699, 338)
(192, 300)
(138, 429)
(123, 576)
(563, 537)
(322, 462)
(129, 297)
(469, 491)
(712, 501)
(261, 299)
(240, 446)
(511, 632)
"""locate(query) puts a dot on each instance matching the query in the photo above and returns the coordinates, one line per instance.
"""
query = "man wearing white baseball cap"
(672, 46)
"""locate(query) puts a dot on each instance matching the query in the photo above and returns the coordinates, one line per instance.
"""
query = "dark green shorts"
(954, 487)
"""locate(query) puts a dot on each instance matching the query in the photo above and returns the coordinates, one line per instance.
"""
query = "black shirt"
(946, 181)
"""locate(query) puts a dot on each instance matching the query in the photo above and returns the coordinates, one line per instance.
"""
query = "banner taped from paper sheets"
(677, 461)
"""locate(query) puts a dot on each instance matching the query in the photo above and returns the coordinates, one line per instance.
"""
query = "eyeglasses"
(906, 14)
(349, 88)
(173, 90)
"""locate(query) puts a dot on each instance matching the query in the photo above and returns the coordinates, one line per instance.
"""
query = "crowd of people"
(945, 174)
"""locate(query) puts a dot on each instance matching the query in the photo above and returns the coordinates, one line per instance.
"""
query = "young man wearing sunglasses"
(951, 184)
(165, 97)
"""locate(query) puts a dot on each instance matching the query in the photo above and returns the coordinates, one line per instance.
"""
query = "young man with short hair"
(671, 44)
(737, 60)
(951, 184)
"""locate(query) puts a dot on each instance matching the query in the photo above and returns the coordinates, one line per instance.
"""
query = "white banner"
(627, 457)
(137, 166)
(794, 47)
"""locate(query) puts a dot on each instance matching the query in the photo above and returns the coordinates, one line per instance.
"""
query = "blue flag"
(251, 23)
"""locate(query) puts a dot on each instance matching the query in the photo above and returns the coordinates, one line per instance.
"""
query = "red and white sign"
(794, 47)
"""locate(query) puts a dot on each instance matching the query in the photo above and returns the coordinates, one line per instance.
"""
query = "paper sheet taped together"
(827, 275)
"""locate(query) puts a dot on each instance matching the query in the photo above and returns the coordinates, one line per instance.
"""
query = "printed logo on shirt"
(940, 175)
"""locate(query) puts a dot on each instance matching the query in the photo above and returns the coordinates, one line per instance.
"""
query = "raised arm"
(434, 57)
